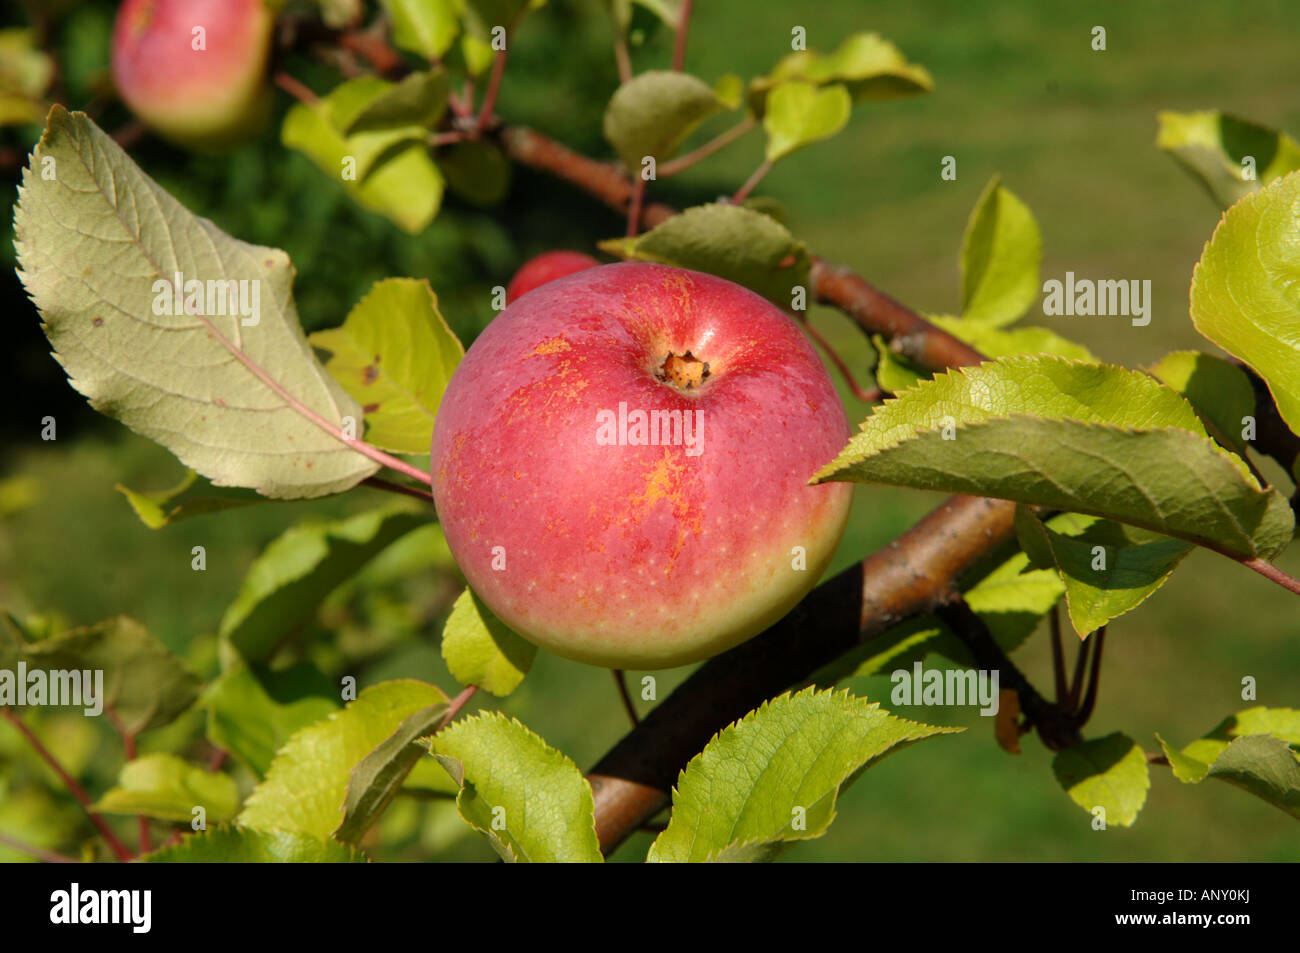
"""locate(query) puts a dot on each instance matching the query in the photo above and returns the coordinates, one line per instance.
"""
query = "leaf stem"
(390, 487)
(742, 193)
(77, 791)
(681, 163)
(485, 114)
(683, 27)
(866, 396)
(634, 210)
(294, 88)
(455, 705)
(128, 747)
(1271, 572)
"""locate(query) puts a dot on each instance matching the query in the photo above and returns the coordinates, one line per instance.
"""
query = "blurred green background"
(1018, 92)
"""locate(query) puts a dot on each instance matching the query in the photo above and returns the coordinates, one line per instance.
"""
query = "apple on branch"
(194, 71)
(546, 267)
(621, 464)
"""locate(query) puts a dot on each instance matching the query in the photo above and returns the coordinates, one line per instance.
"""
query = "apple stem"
(681, 163)
(621, 681)
(634, 209)
(679, 47)
(742, 193)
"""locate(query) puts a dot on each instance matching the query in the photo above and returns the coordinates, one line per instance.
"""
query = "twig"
(486, 113)
(867, 396)
(128, 748)
(723, 139)
(77, 791)
(742, 193)
(683, 27)
(40, 853)
(620, 679)
(294, 88)
(390, 487)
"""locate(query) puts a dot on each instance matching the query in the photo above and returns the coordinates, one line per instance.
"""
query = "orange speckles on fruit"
(555, 345)
(667, 482)
(548, 394)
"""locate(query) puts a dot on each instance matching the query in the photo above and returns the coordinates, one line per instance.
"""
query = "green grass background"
(1018, 93)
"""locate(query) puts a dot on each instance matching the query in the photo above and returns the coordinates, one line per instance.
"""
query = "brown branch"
(909, 576)
(683, 28)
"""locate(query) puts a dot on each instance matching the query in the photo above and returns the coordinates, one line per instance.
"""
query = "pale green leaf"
(1263, 764)
(299, 569)
(156, 508)
(1246, 289)
(25, 74)
(379, 775)
(1108, 568)
(529, 800)
(145, 685)
(653, 112)
(418, 100)
(394, 355)
(735, 243)
(1110, 773)
(305, 788)
(99, 246)
(871, 67)
(166, 787)
(481, 650)
(1282, 723)
(799, 114)
(1000, 257)
(773, 777)
(252, 716)
(1214, 147)
(1219, 392)
(241, 845)
(1084, 438)
(424, 27)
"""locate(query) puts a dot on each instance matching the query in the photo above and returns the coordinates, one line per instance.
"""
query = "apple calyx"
(683, 371)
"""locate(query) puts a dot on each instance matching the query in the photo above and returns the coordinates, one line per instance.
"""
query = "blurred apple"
(546, 267)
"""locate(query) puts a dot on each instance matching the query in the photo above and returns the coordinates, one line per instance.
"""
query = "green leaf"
(150, 506)
(653, 112)
(241, 845)
(190, 385)
(335, 14)
(424, 27)
(871, 67)
(482, 650)
(1085, 438)
(735, 243)
(799, 114)
(252, 717)
(305, 789)
(1218, 391)
(1282, 723)
(379, 775)
(482, 15)
(669, 11)
(166, 787)
(387, 171)
(1262, 764)
(1244, 292)
(895, 373)
(1107, 568)
(529, 800)
(394, 355)
(1109, 773)
(299, 569)
(145, 685)
(1000, 257)
(477, 171)
(1212, 146)
(25, 74)
(418, 100)
(774, 776)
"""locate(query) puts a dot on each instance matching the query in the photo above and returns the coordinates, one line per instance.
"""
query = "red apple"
(546, 267)
(590, 540)
(194, 71)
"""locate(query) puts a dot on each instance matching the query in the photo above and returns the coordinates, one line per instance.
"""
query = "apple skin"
(207, 99)
(546, 267)
(639, 556)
